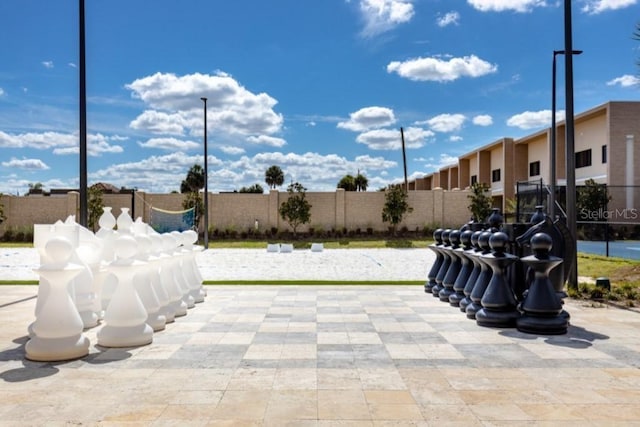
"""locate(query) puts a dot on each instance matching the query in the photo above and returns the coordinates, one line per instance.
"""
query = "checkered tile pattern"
(331, 355)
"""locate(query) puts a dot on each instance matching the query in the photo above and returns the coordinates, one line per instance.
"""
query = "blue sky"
(319, 88)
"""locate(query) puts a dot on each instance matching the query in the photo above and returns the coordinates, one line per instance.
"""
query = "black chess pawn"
(433, 272)
(542, 311)
(454, 267)
(465, 269)
(446, 262)
(499, 306)
(472, 254)
(483, 278)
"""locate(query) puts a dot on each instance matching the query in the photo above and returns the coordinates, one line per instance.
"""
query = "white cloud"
(97, 144)
(390, 139)
(445, 122)
(624, 81)
(47, 64)
(369, 118)
(483, 120)
(444, 160)
(156, 173)
(383, 15)
(502, 5)
(159, 123)
(26, 164)
(267, 140)
(40, 141)
(164, 173)
(60, 143)
(598, 6)
(231, 108)
(450, 18)
(441, 70)
(231, 150)
(170, 144)
(534, 119)
(72, 65)
(455, 138)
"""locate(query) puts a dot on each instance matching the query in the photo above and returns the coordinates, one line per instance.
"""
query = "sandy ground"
(258, 264)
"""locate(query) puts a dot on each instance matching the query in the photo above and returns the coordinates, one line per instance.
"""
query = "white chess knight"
(125, 319)
(88, 253)
(194, 279)
(169, 278)
(143, 282)
(57, 331)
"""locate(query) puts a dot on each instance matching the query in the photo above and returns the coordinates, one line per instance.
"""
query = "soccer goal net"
(164, 221)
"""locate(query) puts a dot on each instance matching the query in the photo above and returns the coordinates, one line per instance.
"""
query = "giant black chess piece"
(465, 269)
(446, 262)
(483, 278)
(435, 247)
(454, 267)
(542, 307)
(499, 307)
(472, 254)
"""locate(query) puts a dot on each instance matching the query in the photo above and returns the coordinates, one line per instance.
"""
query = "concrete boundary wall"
(239, 211)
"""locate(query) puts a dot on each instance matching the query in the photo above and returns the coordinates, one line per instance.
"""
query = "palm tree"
(361, 182)
(274, 177)
(348, 183)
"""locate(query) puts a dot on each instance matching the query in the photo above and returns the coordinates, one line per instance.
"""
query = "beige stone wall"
(238, 211)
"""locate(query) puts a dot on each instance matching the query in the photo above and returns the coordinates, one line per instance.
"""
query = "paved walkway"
(334, 355)
(329, 356)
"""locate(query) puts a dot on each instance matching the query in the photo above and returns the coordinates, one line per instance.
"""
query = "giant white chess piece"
(125, 320)
(57, 331)
(190, 267)
(143, 282)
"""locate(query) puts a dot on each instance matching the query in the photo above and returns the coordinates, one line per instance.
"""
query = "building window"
(583, 158)
(495, 175)
(474, 179)
(534, 168)
(604, 154)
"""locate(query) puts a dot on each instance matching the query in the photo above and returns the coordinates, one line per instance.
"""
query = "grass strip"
(316, 282)
(18, 282)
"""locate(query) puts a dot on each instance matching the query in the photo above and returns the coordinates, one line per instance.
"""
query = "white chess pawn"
(57, 331)
(125, 320)
(143, 284)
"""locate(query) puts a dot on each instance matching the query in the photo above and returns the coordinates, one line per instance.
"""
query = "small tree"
(274, 177)
(348, 183)
(191, 186)
(194, 180)
(396, 205)
(95, 205)
(361, 182)
(194, 200)
(480, 206)
(255, 188)
(592, 198)
(296, 210)
(2, 217)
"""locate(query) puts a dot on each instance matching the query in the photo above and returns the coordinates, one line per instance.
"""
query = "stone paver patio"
(329, 356)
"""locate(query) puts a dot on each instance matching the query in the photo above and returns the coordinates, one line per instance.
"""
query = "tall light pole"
(84, 205)
(206, 180)
(570, 145)
(552, 148)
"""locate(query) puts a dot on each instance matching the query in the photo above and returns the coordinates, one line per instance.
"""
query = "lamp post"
(82, 186)
(570, 145)
(552, 148)
(206, 180)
